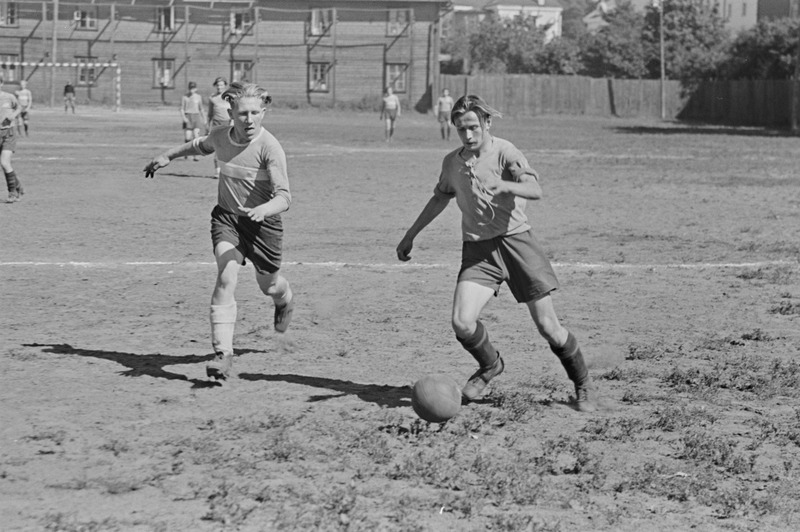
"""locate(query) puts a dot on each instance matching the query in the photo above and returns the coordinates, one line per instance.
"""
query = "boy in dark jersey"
(246, 223)
(491, 181)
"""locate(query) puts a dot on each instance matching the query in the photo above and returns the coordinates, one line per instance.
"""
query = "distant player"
(442, 109)
(192, 114)
(69, 97)
(25, 99)
(491, 181)
(390, 111)
(9, 110)
(218, 112)
(246, 223)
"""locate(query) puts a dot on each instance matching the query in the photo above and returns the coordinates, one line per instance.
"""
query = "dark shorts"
(8, 140)
(261, 243)
(193, 121)
(444, 116)
(23, 115)
(391, 114)
(518, 260)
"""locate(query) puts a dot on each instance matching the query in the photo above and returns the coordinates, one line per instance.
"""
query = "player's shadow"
(383, 395)
(138, 365)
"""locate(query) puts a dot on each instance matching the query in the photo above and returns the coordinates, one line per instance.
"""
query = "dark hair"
(237, 90)
(220, 78)
(476, 104)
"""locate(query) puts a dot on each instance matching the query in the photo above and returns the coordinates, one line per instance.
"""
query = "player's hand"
(404, 248)
(159, 162)
(495, 185)
(255, 213)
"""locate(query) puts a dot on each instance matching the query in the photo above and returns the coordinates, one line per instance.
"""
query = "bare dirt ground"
(677, 249)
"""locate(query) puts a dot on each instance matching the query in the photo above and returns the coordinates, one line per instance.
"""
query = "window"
(87, 73)
(85, 18)
(8, 14)
(397, 22)
(163, 70)
(165, 19)
(9, 71)
(318, 77)
(396, 76)
(321, 20)
(240, 22)
(744, 9)
(240, 70)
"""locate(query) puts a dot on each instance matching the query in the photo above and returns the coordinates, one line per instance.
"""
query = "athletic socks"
(11, 181)
(480, 347)
(223, 321)
(572, 359)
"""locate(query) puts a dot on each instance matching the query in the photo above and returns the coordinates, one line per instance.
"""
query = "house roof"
(481, 5)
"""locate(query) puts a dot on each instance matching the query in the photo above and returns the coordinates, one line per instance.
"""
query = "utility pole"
(663, 68)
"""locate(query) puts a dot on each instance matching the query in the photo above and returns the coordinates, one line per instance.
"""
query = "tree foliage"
(616, 50)
(766, 51)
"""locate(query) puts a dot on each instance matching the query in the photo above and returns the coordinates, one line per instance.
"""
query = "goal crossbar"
(75, 64)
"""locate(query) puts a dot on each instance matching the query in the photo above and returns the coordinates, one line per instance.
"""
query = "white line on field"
(421, 266)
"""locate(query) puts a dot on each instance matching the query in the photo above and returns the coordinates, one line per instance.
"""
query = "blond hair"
(238, 90)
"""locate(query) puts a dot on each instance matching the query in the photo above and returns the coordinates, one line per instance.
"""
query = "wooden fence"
(743, 103)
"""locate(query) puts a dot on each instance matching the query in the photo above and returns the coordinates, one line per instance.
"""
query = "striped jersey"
(250, 174)
(8, 109)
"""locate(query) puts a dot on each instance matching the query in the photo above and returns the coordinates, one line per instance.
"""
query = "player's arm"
(432, 209)
(525, 180)
(16, 109)
(199, 146)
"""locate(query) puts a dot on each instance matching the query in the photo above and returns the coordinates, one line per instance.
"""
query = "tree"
(506, 46)
(695, 40)
(766, 51)
(616, 50)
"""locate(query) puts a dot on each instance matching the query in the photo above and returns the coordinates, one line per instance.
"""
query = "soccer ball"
(436, 398)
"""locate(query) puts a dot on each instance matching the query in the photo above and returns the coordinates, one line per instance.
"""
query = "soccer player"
(192, 114)
(218, 112)
(25, 99)
(9, 110)
(491, 181)
(69, 97)
(246, 223)
(443, 107)
(390, 110)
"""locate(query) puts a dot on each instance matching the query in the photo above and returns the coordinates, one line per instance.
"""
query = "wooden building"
(321, 52)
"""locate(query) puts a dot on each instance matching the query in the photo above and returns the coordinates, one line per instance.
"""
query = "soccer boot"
(12, 197)
(476, 384)
(583, 393)
(220, 367)
(283, 316)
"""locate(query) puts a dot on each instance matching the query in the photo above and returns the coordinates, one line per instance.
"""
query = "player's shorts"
(391, 114)
(193, 121)
(23, 115)
(261, 243)
(444, 116)
(8, 140)
(518, 260)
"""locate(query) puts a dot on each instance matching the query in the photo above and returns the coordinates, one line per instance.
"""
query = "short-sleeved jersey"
(391, 102)
(8, 109)
(192, 103)
(444, 104)
(25, 98)
(218, 111)
(69, 89)
(250, 174)
(485, 215)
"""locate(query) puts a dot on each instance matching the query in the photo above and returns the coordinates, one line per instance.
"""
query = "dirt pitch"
(677, 249)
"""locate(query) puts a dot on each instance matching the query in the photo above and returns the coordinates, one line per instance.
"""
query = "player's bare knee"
(463, 325)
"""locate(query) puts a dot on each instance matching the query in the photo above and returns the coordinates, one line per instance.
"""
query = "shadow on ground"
(151, 365)
(688, 129)
(382, 395)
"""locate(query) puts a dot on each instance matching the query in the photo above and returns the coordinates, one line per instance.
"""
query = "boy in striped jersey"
(246, 223)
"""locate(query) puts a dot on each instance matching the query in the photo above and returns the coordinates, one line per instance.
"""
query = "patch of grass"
(757, 375)
(757, 336)
(60, 522)
(783, 274)
(703, 447)
(619, 429)
(674, 418)
(655, 351)
(786, 308)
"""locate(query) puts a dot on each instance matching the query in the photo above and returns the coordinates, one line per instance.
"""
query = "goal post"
(117, 69)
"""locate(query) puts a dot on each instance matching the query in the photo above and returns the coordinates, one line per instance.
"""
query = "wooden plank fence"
(765, 103)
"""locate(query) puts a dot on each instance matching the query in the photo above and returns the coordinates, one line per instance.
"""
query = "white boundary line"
(421, 266)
